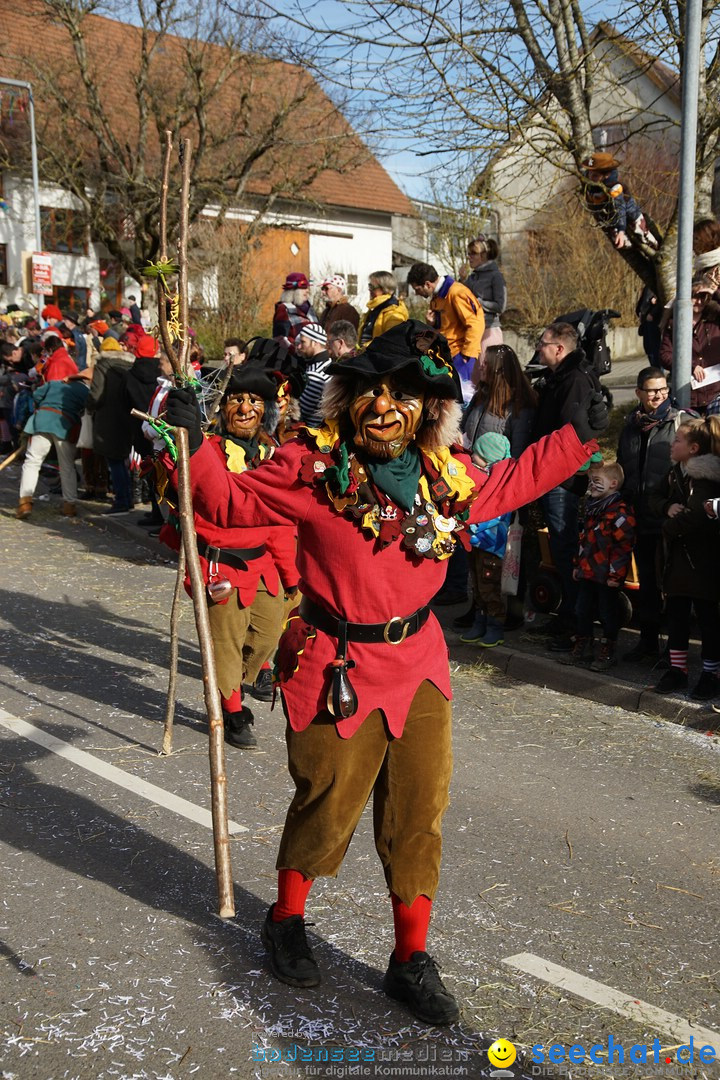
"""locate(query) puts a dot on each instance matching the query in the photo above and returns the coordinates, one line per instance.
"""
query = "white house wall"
(17, 230)
(341, 242)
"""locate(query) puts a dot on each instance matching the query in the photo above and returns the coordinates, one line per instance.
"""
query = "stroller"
(592, 328)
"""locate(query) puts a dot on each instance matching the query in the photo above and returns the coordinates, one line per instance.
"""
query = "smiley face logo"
(502, 1053)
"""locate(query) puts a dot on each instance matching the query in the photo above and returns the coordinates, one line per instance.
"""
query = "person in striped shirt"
(311, 345)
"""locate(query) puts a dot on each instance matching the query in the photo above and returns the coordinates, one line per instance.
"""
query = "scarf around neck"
(398, 477)
(646, 421)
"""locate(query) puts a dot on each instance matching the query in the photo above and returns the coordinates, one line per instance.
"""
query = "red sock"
(266, 666)
(232, 703)
(411, 926)
(293, 889)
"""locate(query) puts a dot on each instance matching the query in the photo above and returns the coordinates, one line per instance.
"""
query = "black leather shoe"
(238, 728)
(561, 643)
(291, 958)
(673, 679)
(262, 688)
(419, 985)
(706, 688)
(642, 651)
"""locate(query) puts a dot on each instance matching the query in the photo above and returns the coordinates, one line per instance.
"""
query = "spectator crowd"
(646, 514)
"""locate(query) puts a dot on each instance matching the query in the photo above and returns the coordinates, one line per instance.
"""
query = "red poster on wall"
(42, 273)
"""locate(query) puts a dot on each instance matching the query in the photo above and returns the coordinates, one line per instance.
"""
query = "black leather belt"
(238, 557)
(394, 631)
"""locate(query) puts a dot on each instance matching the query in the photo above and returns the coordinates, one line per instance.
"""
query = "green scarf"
(398, 477)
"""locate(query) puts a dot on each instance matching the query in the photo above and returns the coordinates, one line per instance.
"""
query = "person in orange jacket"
(456, 312)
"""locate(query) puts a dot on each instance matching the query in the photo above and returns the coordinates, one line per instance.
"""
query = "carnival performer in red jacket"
(249, 572)
(380, 495)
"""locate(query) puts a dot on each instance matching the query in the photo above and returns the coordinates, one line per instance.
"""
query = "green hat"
(492, 447)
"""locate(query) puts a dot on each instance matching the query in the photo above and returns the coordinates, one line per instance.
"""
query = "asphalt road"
(578, 835)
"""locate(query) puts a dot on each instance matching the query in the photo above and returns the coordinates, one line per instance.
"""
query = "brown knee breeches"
(409, 778)
(244, 638)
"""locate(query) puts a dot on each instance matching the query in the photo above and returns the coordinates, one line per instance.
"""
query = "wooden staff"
(167, 743)
(180, 364)
(11, 457)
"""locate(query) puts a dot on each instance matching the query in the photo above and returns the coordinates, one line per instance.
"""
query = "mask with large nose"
(243, 415)
(386, 413)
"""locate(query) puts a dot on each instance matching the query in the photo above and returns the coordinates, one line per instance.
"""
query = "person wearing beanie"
(311, 346)
(248, 572)
(380, 496)
(293, 310)
(488, 540)
(52, 314)
(337, 306)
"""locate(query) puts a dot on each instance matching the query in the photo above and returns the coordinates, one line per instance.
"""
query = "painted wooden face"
(386, 413)
(243, 415)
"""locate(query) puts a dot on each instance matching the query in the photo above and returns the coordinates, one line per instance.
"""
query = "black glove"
(182, 410)
(598, 418)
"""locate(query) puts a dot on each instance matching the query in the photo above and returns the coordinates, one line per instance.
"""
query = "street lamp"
(36, 183)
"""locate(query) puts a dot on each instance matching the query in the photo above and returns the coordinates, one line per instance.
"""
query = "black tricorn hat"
(273, 356)
(252, 378)
(411, 346)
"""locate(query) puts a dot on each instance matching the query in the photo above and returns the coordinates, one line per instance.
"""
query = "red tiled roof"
(316, 136)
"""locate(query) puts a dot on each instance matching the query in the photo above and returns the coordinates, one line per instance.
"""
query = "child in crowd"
(690, 543)
(488, 540)
(607, 538)
(613, 208)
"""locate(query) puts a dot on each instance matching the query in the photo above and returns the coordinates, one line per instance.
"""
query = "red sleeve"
(282, 545)
(270, 495)
(516, 482)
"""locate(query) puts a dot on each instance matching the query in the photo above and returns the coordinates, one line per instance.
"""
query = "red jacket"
(350, 577)
(58, 366)
(276, 566)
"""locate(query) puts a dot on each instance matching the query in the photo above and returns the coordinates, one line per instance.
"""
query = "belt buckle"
(405, 623)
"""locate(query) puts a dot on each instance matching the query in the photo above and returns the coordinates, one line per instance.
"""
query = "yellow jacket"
(460, 318)
(391, 315)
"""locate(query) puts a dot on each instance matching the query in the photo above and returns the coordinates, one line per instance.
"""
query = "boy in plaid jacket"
(607, 538)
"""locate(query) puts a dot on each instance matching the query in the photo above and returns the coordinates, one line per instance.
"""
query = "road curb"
(599, 687)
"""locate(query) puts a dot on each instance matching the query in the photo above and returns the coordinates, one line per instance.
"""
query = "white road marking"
(659, 1019)
(116, 776)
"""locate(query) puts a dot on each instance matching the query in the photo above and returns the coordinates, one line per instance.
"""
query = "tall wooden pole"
(181, 367)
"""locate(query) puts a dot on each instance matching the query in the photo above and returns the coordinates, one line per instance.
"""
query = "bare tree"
(523, 72)
(106, 92)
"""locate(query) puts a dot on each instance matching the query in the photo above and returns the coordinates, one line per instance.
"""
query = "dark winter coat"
(108, 406)
(645, 459)
(488, 284)
(564, 397)
(705, 353)
(691, 538)
(140, 386)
